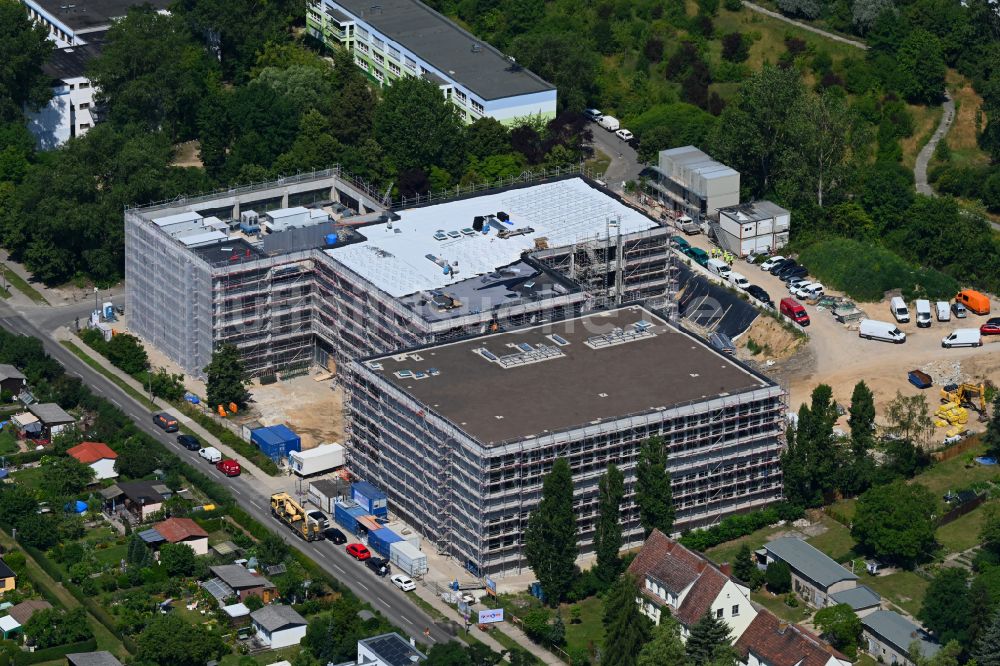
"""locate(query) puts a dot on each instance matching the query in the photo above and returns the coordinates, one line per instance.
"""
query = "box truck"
(323, 458)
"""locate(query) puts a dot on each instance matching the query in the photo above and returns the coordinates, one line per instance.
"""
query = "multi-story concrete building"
(461, 435)
(397, 38)
(691, 183)
(333, 286)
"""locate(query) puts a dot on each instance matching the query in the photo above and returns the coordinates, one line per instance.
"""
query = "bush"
(778, 577)
(736, 526)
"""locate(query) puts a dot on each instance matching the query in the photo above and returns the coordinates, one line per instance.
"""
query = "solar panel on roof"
(524, 346)
(488, 355)
(559, 340)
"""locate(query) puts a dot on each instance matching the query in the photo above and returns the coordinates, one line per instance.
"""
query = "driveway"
(924, 157)
(625, 165)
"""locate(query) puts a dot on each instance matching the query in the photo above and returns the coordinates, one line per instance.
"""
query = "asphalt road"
(625, 165)
(379, 592)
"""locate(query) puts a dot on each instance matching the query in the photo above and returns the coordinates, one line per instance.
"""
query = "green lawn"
(726, 552)
(83, 356)
(16, 281)
(8, 441)
(777, 605)
(269, 657)
(845, 508)
(598, 163)
(112, 555)
(31, 477)
(836, 541)
(962, 534)
(590, 628)
(905, 588)
(954, 475)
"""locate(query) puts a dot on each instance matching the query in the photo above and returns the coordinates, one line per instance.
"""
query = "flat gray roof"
(699, 162)
(277, 616)
(858, 598)
(900, 632)
(84, 15)
(8, 371)
(50, 413)
(562, 375)
(807, 561)
(449, 48)
(754, 211)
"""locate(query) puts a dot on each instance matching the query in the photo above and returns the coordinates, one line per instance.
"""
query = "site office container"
(275, 441)
(408, 558)
(973, 300)
(380, 541)
(370, 498)
(346, 515)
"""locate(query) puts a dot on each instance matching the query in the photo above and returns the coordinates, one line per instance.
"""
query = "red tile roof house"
(669, 575)
(186, 531)
(98, 456)
(769, 641)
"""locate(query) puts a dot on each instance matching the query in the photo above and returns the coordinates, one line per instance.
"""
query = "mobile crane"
(291, 513)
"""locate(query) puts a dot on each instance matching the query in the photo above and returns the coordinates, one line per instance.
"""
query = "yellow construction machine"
(972, 396)
(291, 513)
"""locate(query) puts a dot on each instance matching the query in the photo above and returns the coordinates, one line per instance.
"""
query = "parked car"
(680, 243)
(783, 265)
(699, 255)
(166, 421)
(898, 309)
(991, 327)
(943, 311)
(358, 551)
(923, 308)
(593, 114)
(189, 442)
(211, 454)
(624, 134)
(771, 262)
(792, 273)
(405, 583)
(229, 467)
(609, 123)
(792, 309)
(319, 518)
(378, 565)
(794, 283)
(974, 300)
(808, 290)
(759, 293)
(754, 255)
(959, 311)
(963, 337)
(738, 281)
(871, 329)
(334, 536)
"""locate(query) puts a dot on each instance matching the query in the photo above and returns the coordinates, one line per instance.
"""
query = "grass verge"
(118, 381)
(19, 283)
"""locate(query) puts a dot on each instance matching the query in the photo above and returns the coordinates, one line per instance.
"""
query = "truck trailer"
(323, 458)
(292, 514)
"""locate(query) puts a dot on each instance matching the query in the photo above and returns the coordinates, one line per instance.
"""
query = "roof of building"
(677, 569)
(331, 487)
(8, 623)
(228, 251)
(8, 371)
(899, 632)
(23, 611)
(71, 62)
(556, 376)
(754, 211)
(453, 51)
(101, 658)
(236, 610)
(180, 529)
(858, 598)
(696, 161)
(6, 571)
(87, 15)
(90, 452)
(778, 643)
(403, 257)
(225, 548)
(151, 536)
(277, 616)
(239, 578)
(808, 562)
(143, 491)
(393, 649)
(50, 413)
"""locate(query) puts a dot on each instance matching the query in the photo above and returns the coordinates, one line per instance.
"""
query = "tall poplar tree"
(550, 540)
(652, 489)
(608, 533)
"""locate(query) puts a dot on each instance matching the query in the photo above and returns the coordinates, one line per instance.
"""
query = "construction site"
(460, 435)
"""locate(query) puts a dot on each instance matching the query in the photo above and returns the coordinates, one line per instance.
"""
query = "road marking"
(236, 490)
(364, 586)
(337, 567)
(407, 620)
(257, 505)
(116, 403)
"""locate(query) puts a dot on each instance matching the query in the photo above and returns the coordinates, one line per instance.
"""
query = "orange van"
(973, 300)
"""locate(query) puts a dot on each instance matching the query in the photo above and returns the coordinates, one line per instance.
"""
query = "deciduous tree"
(24, 48)
(227, 380)
(64, 475)
(418, 128)
(550, 539)
(778, 577)
(665, 648)
(127, 353)
(178, 559)
(895, 522)
(841, 626)
(945, 610)
(168, 640)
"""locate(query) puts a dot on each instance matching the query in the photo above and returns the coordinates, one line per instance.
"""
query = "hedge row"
(53, 653)
(739, 525)
(227, 437)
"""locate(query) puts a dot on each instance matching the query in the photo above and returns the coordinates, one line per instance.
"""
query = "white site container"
(323, 458)
(408, 558)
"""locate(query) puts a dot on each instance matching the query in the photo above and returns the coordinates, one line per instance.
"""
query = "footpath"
(266, 485)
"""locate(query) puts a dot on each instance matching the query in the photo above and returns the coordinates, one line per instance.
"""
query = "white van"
(211, 454)
(880, 330)
(962, 337)
(609, 123)
(719, 267)
(923, 313)
(738, 281)
(897, 306)
(943, 311)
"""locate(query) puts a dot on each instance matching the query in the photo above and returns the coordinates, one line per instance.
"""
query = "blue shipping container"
(275, 441)
(370, 498)
(347, 515)
(381, 540)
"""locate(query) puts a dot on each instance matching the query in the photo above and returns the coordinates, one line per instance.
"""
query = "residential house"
(8, 579)
(888, 636)
(98, 456)
(686, 585)
(862, 599)
(186, 531)
(11, 379)
(54, 419)
(278, 626)
(141, 499)
(23, 611)
(769, 641)
(814, 575)
(397, 38)
(238, 581)
(101, 658)
(388, 650)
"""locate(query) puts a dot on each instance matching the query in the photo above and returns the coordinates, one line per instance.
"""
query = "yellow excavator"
(972, 396)
(291, 513)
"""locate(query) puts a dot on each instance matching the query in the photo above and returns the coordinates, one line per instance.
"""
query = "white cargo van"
(211, 454)
(738, 281)
(609, 123)
(943, 311)
(897, 306)
(719, 267)
(880, 330)
(963, 337)
(923, 307)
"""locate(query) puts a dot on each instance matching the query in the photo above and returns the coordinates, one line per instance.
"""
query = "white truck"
(211, 454)
(323, 458)
(609, 123)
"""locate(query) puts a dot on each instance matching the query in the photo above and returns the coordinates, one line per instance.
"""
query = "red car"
(229, 467)
(991, 327)
(358, 551)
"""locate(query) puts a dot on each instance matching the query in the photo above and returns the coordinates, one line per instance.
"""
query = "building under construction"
(461, 434)
(314, 269)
